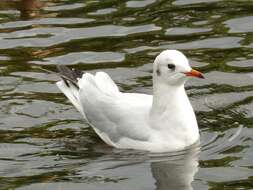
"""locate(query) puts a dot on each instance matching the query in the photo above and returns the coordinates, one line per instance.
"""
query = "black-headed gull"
(162, 122)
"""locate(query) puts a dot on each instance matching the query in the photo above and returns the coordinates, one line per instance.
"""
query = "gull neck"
(167, 97)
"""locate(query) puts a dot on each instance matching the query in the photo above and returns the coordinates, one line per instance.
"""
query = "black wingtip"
(69, 75)
(72, 74)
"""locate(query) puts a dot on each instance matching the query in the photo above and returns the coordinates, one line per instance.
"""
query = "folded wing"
(113, 115)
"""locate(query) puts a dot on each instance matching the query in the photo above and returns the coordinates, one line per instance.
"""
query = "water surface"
(45, 144)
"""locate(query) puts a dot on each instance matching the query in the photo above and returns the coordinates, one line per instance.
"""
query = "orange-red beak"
(194, 73)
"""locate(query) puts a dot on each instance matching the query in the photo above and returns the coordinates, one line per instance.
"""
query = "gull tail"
(69, 86)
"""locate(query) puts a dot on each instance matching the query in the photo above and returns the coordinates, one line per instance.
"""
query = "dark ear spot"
(158, 72)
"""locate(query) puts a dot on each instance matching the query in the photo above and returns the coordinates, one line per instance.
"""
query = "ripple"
(83, 57)
(11, 12)
(32, 113)
(9, 82)
(216, 101)
(241, 63)
(240, 25)
(65, 7)
(103, 11)
(5, 58)
(246, 109)
(12, 151)
(61, 35)
(42, 87)
(185, 31)
(200, 23)
(188, 2)
(138, 49)
(224, 174)
(45, 21)
(233, 79)
(214, 43)
(35, 108)
(36, 75)
(138, 4)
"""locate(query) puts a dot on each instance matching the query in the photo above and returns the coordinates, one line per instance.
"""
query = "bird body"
(164, 121)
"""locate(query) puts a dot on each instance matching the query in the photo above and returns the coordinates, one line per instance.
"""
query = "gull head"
(172, 67)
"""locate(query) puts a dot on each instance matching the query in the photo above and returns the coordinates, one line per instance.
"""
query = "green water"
(45, 144)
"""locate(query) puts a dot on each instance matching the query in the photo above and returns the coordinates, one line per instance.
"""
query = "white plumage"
(159, 123)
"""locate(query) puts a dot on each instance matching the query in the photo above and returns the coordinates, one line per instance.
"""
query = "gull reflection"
(177, 172)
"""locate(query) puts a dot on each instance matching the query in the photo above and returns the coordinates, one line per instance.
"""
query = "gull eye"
(171, 66)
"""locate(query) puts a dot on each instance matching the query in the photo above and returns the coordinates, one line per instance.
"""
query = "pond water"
(45, 144)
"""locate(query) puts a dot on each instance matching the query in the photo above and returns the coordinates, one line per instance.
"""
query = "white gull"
(162, 122)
